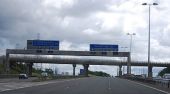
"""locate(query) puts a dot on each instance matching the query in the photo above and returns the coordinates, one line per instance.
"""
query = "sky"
(78, 23)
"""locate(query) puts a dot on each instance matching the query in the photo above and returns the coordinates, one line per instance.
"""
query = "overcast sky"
(77, 23)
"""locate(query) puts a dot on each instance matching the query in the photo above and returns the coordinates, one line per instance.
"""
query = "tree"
(165, 70)
(49, 71)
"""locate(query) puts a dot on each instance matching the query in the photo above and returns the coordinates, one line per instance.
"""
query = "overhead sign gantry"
(46, 47)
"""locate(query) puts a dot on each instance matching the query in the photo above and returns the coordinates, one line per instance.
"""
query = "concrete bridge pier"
(74, 67)
(29, 69)
(86, 66)
(149, 71)
(120, 70)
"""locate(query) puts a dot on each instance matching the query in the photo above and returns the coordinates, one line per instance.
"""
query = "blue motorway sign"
(103, 47)
(43, 44)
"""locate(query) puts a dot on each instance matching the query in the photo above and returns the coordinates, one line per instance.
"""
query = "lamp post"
(129, 58)
(149, 5)
(131, 34)
(124, 50)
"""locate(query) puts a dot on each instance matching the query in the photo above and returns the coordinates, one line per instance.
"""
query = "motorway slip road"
(91, 85)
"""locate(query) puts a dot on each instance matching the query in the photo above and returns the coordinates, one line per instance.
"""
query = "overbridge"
(40, 56)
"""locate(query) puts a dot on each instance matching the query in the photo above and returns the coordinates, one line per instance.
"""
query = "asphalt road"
(93, 85)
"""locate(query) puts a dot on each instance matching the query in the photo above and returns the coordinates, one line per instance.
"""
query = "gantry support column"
(120, 70)
(29, 69)
(149, 71)
(74, 66)
(86, 66)
(129, 65)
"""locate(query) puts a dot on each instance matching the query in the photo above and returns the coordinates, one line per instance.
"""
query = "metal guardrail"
(163, 82)
(157, 81)
(141, 79)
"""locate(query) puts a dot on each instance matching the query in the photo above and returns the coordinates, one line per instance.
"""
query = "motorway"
(91, 85)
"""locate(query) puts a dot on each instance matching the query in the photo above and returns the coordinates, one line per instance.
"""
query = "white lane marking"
(149, 87)
(38, 84)
(109, 84)
(5, 90)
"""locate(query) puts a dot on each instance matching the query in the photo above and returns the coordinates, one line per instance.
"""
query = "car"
(23, 76)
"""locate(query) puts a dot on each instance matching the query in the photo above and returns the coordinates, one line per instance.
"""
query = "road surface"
(91, 85)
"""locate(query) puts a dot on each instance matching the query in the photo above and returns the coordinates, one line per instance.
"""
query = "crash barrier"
(139, 78)
(145, 80)
(157, 81)
(163, 82)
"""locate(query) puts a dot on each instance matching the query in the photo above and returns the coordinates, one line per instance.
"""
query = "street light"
(149, 4)
(129, 65)
(131, 34)
(124, 50)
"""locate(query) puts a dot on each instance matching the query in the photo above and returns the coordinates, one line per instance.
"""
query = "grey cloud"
(22, 19)
(85, 7)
